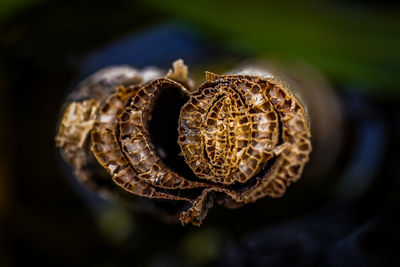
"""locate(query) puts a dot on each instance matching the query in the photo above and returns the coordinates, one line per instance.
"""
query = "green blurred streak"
(10, 8)
(353, 45)
(202, 245)
(115, 223)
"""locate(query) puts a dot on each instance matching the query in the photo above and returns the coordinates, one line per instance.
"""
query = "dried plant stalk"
(244, 136)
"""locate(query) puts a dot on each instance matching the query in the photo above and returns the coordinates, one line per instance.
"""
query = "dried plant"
(245, 136)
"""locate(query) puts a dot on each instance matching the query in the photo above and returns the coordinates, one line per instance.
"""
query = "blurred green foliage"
(115, 223)
(352, 43)
(357, 45)
(202, 246)
(9, 8)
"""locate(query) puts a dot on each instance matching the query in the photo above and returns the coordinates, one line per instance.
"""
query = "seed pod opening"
(243, 136)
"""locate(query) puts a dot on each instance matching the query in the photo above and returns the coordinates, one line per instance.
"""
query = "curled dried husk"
(249, 133)
(244, 135)
(80, 113)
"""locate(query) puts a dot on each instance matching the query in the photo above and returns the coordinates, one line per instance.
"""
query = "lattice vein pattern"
(243, 136)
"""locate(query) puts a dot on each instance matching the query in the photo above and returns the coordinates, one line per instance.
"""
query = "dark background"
(347, 216)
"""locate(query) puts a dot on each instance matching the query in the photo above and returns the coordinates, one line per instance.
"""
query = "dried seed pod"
(136, 142)
(243, 136)
(79, 116)
(243, 129)
(121, 146)
(106, 147)
(228, 130)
